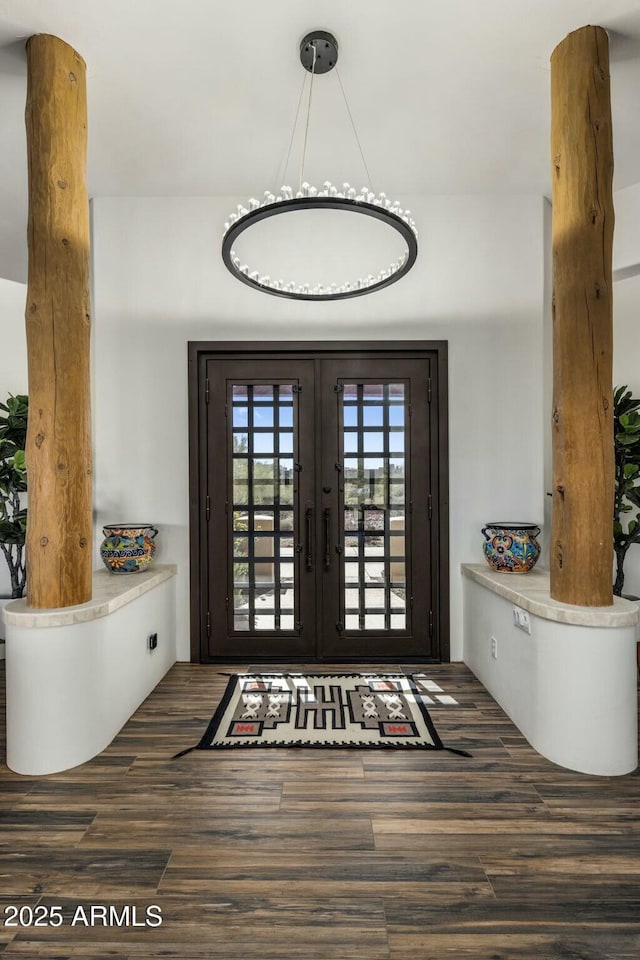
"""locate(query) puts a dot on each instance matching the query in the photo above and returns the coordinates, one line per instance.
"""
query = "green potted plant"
(626, 529)
(13, 483)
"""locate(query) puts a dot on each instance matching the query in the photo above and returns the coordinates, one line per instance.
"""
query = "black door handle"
(327, 538)
(309, 537)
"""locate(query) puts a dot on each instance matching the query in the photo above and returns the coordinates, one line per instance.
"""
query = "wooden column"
(581, 554)
(58, 452)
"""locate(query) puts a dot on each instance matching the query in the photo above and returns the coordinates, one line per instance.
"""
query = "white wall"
(547, 383)
(626, 324)
(159, 282)
(13, 366)
(626, 369)
(626, 238)
(626, 337)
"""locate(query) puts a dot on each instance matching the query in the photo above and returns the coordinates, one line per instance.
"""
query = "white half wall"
(75, 676)
(575, 704)
(159, 282)
(13, 367)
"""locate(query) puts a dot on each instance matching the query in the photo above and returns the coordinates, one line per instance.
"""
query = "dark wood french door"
(319, 504)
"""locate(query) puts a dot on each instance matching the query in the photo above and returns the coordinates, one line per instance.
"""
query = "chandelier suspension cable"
(283, 177)
(355, 132)
(306, 128)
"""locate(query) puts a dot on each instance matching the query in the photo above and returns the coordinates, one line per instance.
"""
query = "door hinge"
(430, 623)
(339, 626)
(409, 410)
(206, 390)
(429, 390)
(410, 506)
(208, 508)
(208, 624)
(226, 506)
(226, 410)
(430, 505)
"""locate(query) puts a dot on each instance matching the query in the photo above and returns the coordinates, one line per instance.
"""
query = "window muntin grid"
(263, 418)
(373, 424)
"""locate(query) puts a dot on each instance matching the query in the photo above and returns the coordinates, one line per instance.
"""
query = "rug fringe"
(183, 753)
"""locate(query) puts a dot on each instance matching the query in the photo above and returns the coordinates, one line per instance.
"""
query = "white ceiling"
(198, 97)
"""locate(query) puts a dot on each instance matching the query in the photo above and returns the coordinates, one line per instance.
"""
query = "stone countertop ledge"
(531, 591)
(110, 592)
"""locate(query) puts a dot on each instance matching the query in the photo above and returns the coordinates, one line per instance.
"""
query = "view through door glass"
(260, 474)
(374, 506)
(262, 502)
(319, 535)
(374, 490)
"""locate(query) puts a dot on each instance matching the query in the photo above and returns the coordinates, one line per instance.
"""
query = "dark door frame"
(200, 351)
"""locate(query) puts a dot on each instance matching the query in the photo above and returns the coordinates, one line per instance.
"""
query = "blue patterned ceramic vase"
(511, 547)
(128, 547)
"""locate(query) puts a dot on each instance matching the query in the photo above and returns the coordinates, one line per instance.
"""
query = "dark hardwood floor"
(322, 855)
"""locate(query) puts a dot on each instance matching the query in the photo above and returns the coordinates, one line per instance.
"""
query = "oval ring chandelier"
(318, 55)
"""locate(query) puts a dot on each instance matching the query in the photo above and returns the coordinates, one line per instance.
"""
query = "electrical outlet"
(152, 641)
(522, 619)
(494, 648)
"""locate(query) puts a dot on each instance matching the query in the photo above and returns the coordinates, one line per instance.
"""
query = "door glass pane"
(374, 513)
(263, 510)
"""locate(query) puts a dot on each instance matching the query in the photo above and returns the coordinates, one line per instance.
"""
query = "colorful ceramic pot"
(511, 547)
(128, 547)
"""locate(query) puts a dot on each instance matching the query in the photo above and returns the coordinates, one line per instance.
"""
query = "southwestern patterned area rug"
(334, 710)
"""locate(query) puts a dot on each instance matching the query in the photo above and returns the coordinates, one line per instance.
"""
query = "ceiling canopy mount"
(319, 52)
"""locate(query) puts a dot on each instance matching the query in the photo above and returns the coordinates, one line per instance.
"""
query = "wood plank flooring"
(322, 855)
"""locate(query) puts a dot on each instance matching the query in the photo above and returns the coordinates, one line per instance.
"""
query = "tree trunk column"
(581, 553)
(58, 451)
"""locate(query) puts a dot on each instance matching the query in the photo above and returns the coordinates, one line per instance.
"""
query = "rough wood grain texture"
(59, 533)
(581, 553)
(300, 854)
